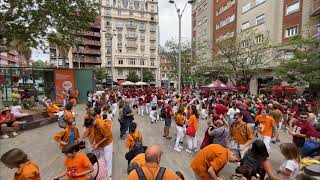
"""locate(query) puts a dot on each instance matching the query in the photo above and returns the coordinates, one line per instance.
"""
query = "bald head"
(153, 154)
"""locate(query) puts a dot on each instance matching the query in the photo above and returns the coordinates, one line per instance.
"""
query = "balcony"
(91, 42)
(88, 33)
(142, 47)
(153, 38)
(119, 45)
(152, 56)
(153, 29)
(131, 36)
(119, 26)
(86, 51)
(132, 45)
(142, 38)
(153, 47)
(315, 8)
(131, 26)
(87, 59)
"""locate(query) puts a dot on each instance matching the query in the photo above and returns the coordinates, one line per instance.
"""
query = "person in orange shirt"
(207, 164)
(193, 120)
(26, 169)
(137, 161)
(69, 135)
(241, 134)
(180, 129)
(52, 108)
(77, 164)
(68, 113)
(100, 136)
(152, 166)
(133, 136)
(266, 125)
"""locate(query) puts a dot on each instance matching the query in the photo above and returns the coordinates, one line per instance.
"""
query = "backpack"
(61, 122)
(250, 167)
(137, 142)
(142, 176)
(163, 113)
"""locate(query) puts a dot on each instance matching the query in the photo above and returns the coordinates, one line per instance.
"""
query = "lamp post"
(111, 37)
(180, 16)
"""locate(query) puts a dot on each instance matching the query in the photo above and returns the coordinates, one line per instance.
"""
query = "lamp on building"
(180, 16)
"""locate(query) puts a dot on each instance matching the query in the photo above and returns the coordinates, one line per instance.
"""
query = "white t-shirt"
(291, 165)
(233, 111)
(16, 110)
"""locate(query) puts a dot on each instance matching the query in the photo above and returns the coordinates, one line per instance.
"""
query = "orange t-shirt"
(101, 131)
(130, 141)
(240, 134)
(193, 120)
(140, 159)
(266, 124)
(213, 155)
(52, 109)
(79, 164)
(29, 171)
(65, 135)
(179, 119)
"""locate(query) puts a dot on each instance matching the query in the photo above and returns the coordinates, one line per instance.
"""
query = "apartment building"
(315, 18)
(86, 54)
(202, 27)
(130, 37)
(12, 59)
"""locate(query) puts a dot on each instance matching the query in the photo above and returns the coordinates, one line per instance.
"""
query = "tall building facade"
(202, 27)
(86, 54)
(130, 37)
(12, 59)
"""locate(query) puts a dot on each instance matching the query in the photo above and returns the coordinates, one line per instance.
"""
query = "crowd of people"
(240, 130)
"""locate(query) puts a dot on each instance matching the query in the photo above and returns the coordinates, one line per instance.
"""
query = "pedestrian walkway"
(40, 147)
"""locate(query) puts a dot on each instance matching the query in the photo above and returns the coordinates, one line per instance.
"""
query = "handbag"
(191, 131)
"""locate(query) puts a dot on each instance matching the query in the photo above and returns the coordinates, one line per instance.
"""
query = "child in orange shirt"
(68, 135)
(77, 164)
(26, 169)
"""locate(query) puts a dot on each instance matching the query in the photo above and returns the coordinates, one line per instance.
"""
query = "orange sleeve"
(218, 163)
(85, 161)
(129, 140)
(59, 135)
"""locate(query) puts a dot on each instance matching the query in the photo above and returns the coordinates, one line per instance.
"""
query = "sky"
(168, 23)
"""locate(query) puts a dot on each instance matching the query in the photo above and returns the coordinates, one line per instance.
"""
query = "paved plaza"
(40, 147)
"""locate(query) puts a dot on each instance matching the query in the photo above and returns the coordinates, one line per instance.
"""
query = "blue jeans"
(124, 128)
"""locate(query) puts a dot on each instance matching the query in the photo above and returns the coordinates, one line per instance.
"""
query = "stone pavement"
(40, 147)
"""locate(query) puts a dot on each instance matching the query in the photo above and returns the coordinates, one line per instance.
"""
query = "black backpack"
(163, 113)
(250, 166)
(137, 142)
(142, 176)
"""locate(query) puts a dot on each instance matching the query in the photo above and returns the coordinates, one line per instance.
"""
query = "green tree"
(39, 64)
(304, 66)
(147, 76)
(244, 57)
(101, 74)
(170, 53)
(133, 77)
(32, 21)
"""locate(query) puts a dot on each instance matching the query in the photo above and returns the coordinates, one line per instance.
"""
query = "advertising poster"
(64, 81)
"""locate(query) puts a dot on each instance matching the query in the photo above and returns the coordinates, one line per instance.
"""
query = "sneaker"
(14, 133)
(180, 147)
(177, 149)
(5, 136)
(188, 151)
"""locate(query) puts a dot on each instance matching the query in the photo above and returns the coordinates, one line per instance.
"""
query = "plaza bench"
(36, 120)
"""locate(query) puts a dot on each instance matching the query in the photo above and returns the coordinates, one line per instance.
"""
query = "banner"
(64, 81)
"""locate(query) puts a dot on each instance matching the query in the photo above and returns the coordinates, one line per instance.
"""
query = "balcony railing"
(142, 37)
(153, 38)
(87, 60)
(87, 51)
(142, 28)
(96, 34)
(119, 26)
(131, 26)
(152, 56)
(131, 36)
(153, 47)
(315, 8)
(153, 29)
(131, 45)
(91, 42)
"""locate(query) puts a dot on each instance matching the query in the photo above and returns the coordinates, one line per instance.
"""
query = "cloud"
(169, 22)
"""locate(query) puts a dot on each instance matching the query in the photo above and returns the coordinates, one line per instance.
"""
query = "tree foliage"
(39, 64)
(147, 76)
(304, 66)
(244, 57)
(170, 53)
(101, 74)
(32, 21)
(133, 77)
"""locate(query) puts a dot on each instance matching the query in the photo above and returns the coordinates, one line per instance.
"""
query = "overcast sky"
(168, 22)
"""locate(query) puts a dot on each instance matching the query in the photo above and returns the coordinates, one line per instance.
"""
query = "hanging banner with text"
(64, 81)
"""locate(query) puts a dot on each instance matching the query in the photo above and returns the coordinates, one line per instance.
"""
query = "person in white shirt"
(290, 168)
(231, 112)
(16, 110)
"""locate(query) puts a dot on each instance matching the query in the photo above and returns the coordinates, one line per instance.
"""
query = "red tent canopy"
(217, 86)
(242, 88)
(277, 88)
(289, 89)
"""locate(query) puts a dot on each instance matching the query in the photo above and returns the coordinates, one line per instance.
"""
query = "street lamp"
(110, 35)
(180, 16)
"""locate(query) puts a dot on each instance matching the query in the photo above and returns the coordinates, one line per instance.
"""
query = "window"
(245, 43)
(291, 31)
(130, 13)
(259, 39)
(152, 62)
(120, 72)
(246, 8)
(119, 12)
(260, 19)
(245, 25)
(109, 61)
(108, 11)
(293, 7)
(259, 1)
(132, 62)
(232, 18)
(141, 61)
(120, 61)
